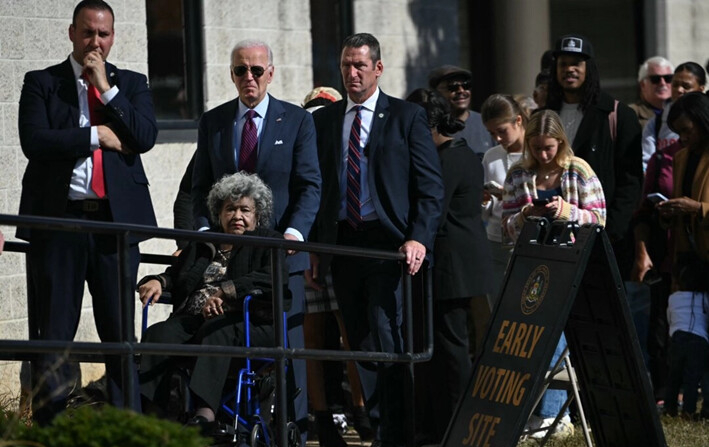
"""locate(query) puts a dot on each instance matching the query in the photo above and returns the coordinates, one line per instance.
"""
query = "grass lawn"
(678, 433)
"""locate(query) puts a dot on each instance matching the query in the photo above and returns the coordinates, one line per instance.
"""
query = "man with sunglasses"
(654, 82)
(454, 83)
(260, 134)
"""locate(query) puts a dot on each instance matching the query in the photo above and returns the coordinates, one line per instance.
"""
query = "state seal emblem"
(535, 289)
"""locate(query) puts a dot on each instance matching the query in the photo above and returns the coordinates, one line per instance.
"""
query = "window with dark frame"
(175, 61)
(331, 22)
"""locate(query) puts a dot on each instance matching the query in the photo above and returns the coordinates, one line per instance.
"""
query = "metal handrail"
(128, 347)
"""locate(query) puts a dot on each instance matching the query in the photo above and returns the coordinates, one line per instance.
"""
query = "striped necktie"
(354, 179)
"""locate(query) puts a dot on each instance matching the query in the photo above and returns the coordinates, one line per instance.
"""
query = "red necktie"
(249, 141)
(97, 117)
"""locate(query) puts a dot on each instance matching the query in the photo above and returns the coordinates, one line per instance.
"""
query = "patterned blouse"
(213, 276)
(581, 190)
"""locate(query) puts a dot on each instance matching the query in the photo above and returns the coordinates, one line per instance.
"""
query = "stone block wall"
(687, 24)
(285, 26)
(34, 35)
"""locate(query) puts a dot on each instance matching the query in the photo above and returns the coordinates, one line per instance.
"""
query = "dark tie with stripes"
(354, 180)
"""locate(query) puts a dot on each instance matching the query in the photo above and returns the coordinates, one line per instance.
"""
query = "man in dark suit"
(382, 189)
(276, 140)
(82, 124)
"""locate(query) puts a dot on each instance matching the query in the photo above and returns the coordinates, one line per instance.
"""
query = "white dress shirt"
(367, 113)
(80, 185)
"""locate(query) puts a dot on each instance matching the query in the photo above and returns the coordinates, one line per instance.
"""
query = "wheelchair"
(246, 415)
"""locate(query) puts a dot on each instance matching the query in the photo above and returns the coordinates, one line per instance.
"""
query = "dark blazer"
(249, 268)
(404, 172)
(461, 252)
(52, 141)
(287, 163)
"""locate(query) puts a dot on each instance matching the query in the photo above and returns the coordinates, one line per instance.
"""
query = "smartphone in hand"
(656, 197)
(540, 202)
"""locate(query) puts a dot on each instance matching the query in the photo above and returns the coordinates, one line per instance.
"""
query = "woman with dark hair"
(689, 206)
(461, 266)
(208, 285)
(688, 211)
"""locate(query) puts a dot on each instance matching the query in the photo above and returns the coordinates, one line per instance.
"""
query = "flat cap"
(440, 74)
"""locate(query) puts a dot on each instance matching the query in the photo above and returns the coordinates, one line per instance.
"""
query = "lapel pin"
(381, 115)
(278, 120)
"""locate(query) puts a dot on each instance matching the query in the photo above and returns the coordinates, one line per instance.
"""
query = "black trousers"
(441, 382)
(209, 374)
(369, 295)
(689, 358)
(59, 263)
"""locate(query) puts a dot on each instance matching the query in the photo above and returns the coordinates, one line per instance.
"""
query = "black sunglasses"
(256, 70)
(655, 79)
(454, 87)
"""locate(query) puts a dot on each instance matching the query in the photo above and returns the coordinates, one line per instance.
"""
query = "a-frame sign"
(560, 278)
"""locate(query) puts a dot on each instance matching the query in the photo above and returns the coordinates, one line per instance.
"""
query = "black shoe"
(205, 426)
(362, 425)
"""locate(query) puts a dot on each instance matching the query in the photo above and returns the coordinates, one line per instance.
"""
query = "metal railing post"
(280, 334)
(127, 333)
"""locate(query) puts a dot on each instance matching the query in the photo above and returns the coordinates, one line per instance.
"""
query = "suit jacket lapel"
(379, 120)
(225, 135)
(337, 138)
(271, 133)
(68, 91)
(111, 74)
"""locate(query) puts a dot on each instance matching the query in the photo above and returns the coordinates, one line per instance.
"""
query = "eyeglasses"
(655, 79)
(256, 70)
(455, 86)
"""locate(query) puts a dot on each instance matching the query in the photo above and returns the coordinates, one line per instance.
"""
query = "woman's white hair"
(236, 186)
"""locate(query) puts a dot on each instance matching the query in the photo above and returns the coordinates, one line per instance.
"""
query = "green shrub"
(92, 426)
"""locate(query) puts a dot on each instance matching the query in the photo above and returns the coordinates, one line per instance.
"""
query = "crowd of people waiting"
(427, 177)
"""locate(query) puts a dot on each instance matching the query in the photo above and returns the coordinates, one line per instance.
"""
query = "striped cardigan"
(581, 190)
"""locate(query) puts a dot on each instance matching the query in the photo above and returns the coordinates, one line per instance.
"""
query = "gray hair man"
(654, 82)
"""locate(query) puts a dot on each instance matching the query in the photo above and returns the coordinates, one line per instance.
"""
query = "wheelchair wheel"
(259, 437)
(293, 435)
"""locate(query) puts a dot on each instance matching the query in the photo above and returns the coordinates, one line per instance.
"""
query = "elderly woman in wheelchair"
(208, 284)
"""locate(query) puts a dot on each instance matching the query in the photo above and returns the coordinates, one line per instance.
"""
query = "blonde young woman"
(505, 120)
(549, 171)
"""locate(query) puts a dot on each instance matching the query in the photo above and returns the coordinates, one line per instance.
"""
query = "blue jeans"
(553, 400)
